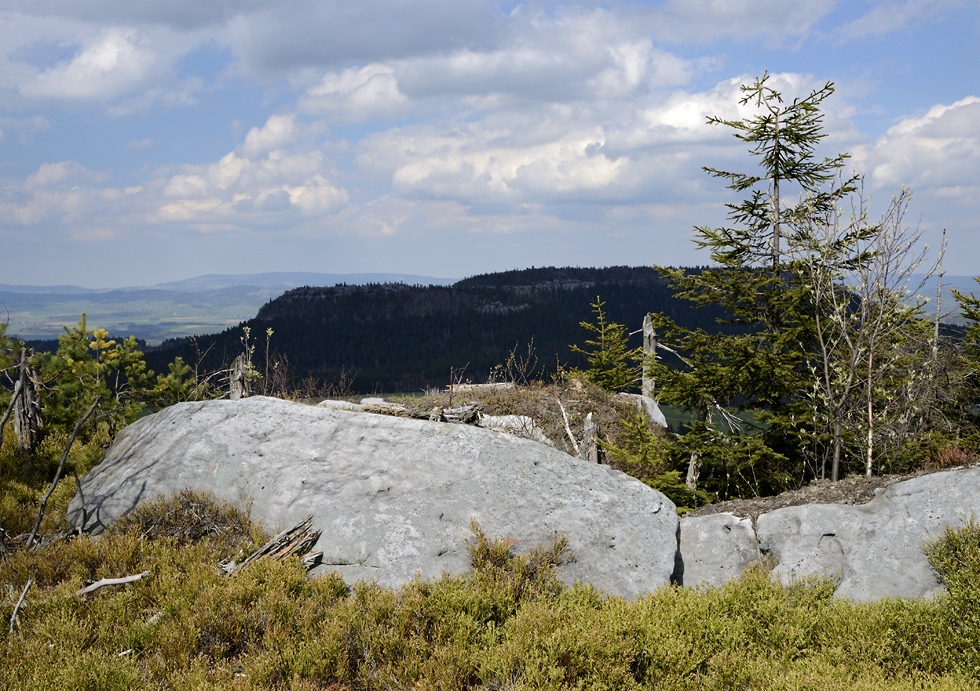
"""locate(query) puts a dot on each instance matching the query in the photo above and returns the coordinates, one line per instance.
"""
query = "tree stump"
(589, 449)
(238, 384)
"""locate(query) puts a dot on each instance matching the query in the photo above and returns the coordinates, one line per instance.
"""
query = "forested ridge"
(396, 337)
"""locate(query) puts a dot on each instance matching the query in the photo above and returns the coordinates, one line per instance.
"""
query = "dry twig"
(61, 468)
(13, 617)
(111, 581)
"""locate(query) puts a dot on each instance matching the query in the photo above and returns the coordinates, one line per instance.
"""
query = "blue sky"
(143, 142)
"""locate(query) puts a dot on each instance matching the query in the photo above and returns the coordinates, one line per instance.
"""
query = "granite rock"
(392, 496)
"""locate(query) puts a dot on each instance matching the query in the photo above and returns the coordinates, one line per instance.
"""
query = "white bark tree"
(876, 351)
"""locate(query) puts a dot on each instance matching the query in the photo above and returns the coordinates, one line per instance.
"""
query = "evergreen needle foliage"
(823, 340)
(612, 363)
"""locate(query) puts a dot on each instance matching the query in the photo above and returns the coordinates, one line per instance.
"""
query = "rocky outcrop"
(715, 549)
(873, 551)
(391, 496)
(646, 406)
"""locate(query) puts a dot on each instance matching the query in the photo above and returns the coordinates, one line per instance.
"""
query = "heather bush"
(509, 623)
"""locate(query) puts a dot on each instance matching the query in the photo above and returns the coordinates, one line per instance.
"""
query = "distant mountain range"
(213, 303)
(200, 305)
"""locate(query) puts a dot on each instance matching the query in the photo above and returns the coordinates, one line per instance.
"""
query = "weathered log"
(296, 540)
(467, 414)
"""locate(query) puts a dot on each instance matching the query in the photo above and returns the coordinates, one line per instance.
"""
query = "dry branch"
(111, 581)
(568, 428)
(61, 468)
(13, 617)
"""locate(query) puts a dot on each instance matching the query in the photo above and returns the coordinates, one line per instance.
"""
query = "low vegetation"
(508, 624)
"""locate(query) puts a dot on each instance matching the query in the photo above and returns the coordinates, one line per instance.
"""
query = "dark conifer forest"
(395, 337)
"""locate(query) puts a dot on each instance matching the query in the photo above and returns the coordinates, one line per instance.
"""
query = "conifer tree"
(89, 364)
(759, 363)
(612, 362)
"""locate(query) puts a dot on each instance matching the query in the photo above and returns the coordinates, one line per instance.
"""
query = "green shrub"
(509, 623)
(956, 558)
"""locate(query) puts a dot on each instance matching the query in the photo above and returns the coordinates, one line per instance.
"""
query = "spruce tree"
(761, 362)
(612, 363)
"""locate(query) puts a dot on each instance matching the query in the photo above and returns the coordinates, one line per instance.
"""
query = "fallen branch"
(13, 617)
(297, 540)
(111, 581)
(568, 429)
(57, 476)
(734, 424)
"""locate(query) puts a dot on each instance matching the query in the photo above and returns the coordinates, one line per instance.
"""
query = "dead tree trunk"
(649, 352)
(589, 449)
(238, 384)
(27, 420)
(23, 408)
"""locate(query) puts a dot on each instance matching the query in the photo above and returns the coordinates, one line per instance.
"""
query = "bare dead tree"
(61, 467)
(863, 280)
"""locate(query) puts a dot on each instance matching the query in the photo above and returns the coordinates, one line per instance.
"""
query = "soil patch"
(857, 489)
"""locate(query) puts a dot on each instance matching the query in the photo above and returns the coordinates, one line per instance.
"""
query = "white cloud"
(137, 144)
(531, 72)
(26, 127)
(681, 118)
(64, 191)
(775, 21)
(356, 94)
(272, 177)
(648, 151)
(638, 65)
(178, 14)
(936, 153)
(116, 62)
(50, 174)
(475, 165)
(278, 131)
(565, 55)
(892, 15)
(185, 93)
(328, 36)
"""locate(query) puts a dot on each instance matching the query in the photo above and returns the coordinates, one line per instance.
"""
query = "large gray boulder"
(393, 497)
(874, 550)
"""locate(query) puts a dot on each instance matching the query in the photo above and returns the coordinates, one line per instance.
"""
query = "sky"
(153, 141)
